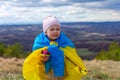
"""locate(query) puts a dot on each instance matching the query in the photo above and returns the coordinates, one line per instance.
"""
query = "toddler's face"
(53, 32)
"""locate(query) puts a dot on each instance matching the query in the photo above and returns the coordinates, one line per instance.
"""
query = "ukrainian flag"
(64, 60)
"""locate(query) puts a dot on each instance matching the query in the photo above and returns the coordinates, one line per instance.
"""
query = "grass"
(97, 75)
(11, 76)
(102, 70)
(10, 69)
(84, 51)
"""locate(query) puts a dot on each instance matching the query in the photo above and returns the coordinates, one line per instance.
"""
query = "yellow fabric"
(33, 68)
(74, 65)
(73, 72)
(71, 54)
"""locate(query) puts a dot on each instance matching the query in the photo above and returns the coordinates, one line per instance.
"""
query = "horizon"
(61, 23)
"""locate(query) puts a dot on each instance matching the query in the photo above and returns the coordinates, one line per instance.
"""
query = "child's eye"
(58, 29)
(51, 29)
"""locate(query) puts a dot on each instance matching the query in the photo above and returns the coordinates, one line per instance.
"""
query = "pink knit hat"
(49, 21)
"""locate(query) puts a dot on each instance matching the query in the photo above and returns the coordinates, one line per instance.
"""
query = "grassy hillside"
(103, 70)
(10, 69)
(85, 54)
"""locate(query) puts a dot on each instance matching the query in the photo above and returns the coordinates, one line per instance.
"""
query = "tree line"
(113, 52)
(14, 50)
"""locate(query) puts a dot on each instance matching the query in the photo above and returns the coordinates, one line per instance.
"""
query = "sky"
(34, 11)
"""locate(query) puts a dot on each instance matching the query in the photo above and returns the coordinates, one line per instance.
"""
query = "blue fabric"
(48, 66)
(42, 40)
(56, 60)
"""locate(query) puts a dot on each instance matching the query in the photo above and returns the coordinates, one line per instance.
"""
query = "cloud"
(66, 10)
(106, 4)
(36, 3)
(84, 1)
(112, 4)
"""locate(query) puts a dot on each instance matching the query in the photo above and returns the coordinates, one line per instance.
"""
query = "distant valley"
(83, 34)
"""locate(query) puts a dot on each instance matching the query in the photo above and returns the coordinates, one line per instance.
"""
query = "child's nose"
(55, 31)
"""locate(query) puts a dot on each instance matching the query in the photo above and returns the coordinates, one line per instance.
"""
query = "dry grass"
(10, 69)
(108, 68)
(11, 64)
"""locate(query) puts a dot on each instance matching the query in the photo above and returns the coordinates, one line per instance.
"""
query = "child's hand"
(45, 55)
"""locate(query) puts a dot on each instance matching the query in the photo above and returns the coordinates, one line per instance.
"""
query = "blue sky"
(33, 11)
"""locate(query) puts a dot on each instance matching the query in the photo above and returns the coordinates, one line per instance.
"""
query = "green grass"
(84, 51)
(97, 75)
(99, 41)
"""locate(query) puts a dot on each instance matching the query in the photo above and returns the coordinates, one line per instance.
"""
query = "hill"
(83, 34)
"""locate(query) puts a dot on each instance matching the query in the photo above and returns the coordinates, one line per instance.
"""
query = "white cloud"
(29, 11)
(47, 1)
(102, 15)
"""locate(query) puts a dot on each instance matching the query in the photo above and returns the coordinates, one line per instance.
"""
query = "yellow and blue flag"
(63, 60)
